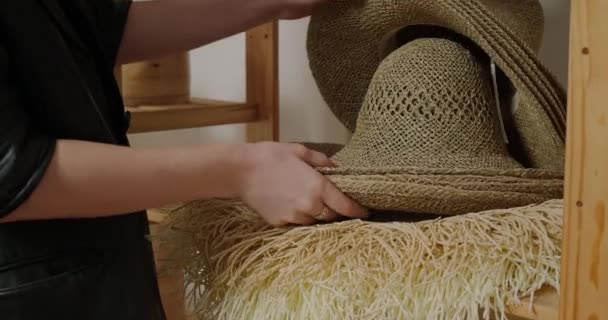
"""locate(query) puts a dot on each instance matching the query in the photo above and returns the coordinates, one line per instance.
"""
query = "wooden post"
(584, 270)
(170, 284)
(262, 81)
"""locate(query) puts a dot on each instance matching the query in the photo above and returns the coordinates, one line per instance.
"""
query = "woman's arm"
(86, 180)
(158, 27)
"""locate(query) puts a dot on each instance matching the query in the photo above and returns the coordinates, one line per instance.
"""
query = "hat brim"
(345, 47)
(441, 191)
(486, 259)
(445, 192)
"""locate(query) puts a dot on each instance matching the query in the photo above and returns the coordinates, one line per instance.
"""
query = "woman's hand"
(280, 183)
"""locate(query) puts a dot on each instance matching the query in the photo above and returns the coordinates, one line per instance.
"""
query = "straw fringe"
(450, 268)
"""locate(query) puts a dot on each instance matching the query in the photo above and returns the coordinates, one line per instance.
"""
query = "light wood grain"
(545, 306)
(170, 284)
(262, 81)
(162, 81)
(196, 113)
(584, 277)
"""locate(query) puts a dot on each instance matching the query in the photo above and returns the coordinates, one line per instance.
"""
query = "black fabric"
(56, 82)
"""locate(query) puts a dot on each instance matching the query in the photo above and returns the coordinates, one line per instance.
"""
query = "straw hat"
(347, 40)
(427, 139)
(413, 80)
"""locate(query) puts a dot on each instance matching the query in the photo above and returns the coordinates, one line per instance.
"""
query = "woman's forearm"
(158, 27)
(87, 179)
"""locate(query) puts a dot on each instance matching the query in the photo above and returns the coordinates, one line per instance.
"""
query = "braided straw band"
(517, 60)
(445, 191)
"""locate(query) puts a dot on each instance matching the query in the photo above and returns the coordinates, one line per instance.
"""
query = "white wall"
(554, 51)
(218, 71)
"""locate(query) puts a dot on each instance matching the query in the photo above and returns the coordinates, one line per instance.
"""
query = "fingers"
(329, 207)
(303, 219)
(307, 198)
(311, 157)
(342, 204)
(312, 209)
(326, 214)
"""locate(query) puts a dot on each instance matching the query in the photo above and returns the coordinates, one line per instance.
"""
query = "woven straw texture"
(428, 139)
(347, 40)
(410, 190)
(444, 193)
(240, 268)
(430, 104)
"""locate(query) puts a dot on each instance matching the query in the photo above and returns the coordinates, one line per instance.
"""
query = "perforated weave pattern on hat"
(430, 104)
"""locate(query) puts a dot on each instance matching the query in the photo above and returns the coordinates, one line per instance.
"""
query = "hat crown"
(429, 104)
(348, 39)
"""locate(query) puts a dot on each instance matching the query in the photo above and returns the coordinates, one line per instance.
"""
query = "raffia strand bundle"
(463, 267)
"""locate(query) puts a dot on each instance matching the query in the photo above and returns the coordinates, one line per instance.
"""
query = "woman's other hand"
(279, 181)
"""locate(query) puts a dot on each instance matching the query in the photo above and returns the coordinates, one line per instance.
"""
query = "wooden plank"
(198, 113)
(584, 277)
(262, 81)
(170, 284)
(545, 306)
(161, 81)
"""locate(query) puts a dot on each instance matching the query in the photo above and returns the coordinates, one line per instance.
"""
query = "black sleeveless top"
(56, 82)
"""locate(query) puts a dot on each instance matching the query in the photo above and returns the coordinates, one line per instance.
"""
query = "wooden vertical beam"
(262, 81)
(170, 284)
(584, 270)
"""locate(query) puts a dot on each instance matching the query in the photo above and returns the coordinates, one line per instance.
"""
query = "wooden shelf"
(197, 113)
(545, 307)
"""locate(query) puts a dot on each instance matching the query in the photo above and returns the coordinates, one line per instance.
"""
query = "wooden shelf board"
(197, 113)
(545, 307)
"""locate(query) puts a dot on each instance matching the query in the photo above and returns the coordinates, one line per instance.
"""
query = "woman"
(72, 229)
